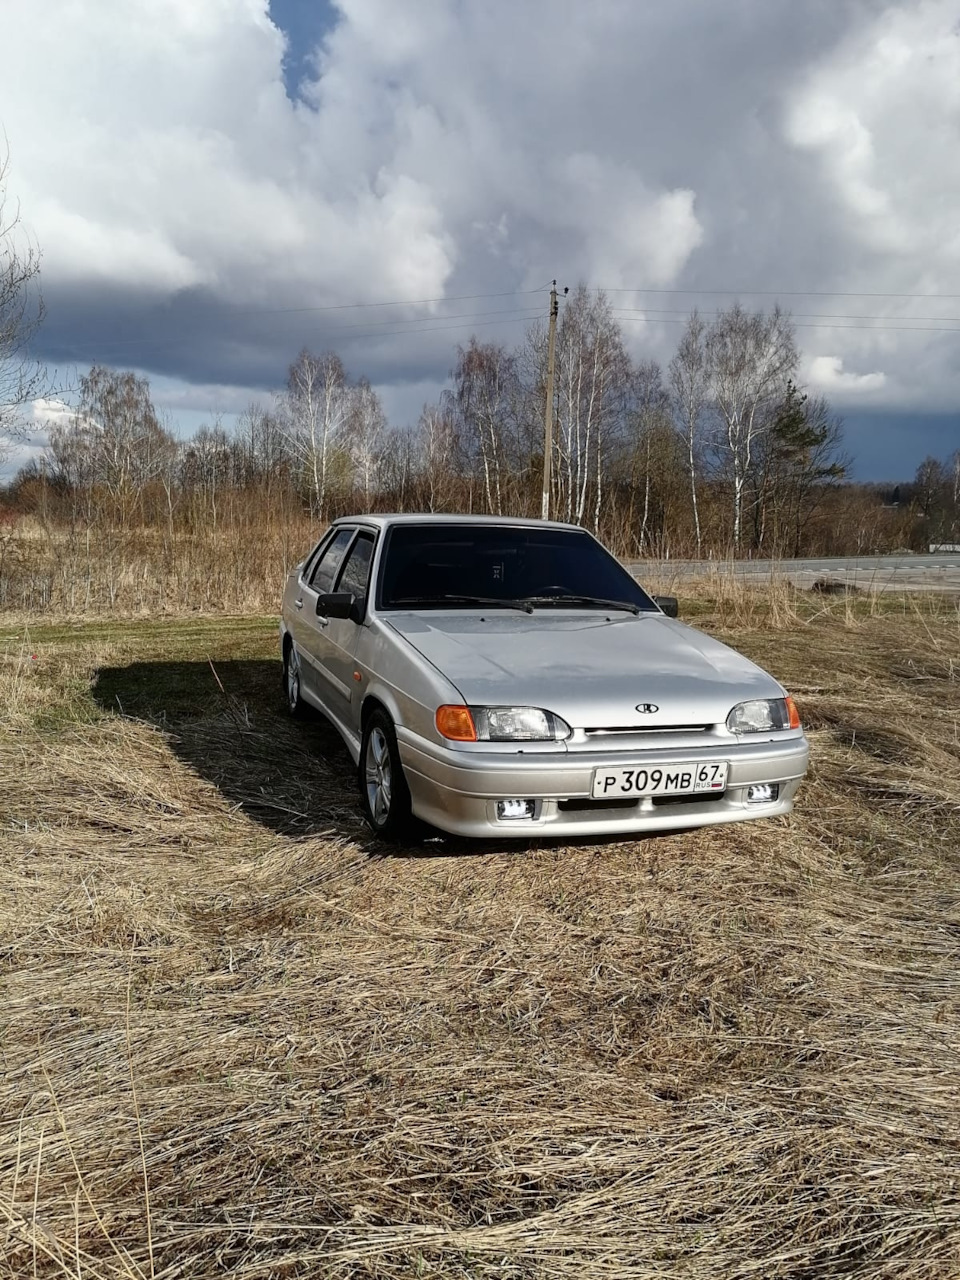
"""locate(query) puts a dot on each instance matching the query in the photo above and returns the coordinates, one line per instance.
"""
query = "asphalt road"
(939, 572)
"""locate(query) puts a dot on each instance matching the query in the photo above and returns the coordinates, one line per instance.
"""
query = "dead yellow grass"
(241, 1038)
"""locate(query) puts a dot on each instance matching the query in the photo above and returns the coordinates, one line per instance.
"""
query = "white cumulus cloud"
(828, 375)
(193, 215)
(882, 114)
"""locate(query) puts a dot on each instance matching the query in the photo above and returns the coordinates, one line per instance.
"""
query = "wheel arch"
(379, 697)
(371, 703)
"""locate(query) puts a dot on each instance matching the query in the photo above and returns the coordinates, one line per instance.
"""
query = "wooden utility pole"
(548, 407)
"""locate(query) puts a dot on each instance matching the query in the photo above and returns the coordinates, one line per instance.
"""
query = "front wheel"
(291, 682)
(384, 793)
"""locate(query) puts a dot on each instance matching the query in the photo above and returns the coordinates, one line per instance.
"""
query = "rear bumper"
(458, 791)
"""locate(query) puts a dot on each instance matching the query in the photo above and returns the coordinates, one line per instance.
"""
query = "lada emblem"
(647, 708)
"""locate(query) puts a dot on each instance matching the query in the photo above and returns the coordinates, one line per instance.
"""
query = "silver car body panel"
(591, 667)
(594, 668)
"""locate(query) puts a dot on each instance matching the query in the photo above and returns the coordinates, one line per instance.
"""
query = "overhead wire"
(782, 293)
(332, 334)
(863, 328)
(803, 315)
(374, 324)
(397, 326)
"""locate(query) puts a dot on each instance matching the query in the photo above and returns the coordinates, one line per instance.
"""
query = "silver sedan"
(499, 677)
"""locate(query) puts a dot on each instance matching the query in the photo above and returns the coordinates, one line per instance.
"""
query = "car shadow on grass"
(229, 723)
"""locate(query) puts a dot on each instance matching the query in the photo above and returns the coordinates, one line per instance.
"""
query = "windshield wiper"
(597, 600)
(524, 605)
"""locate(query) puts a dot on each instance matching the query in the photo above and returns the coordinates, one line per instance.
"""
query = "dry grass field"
(239, 1037)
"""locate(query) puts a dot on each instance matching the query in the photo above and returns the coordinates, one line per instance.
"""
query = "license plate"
(682, 779)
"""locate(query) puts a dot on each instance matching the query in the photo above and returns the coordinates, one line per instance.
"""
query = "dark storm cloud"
(196, 221)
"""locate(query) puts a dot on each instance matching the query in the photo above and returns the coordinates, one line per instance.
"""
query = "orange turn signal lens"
(793, 713)
(456, 723)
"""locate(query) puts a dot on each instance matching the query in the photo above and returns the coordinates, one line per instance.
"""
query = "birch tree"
(652, 456)
(130, 446)
(21, 313)
(690, 392)
(592, 377)
(485, 394)
(314, 408)
(262, 451)
(439, 453)
(365, 430)
(750, 358)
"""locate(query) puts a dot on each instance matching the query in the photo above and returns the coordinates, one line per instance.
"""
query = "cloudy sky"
(215, 184)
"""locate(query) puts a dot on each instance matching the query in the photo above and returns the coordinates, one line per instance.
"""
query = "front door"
(308, 630)
(335, 665)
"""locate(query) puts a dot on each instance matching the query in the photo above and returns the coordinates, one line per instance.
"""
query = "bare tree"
(690, 387)
(438, 452)
(73, 451)
(485, 395)
(365, 430)
(314, 408)
(937, 496)
(262, 451)
(130, 447)
(750, 358)
(593, 374)
(21, 313)
(205, 473)
(652, 448)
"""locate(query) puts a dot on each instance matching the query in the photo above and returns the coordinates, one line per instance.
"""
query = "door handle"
(299, 603)
(321, 620)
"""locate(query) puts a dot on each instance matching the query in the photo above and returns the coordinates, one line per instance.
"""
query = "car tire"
(291, 682)
(384, 794)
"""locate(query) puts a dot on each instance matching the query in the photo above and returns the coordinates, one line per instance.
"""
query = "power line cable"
(179, 342)
(519, 313)
(782, 293)
(862, 328)
(803, 315)
(403, 302)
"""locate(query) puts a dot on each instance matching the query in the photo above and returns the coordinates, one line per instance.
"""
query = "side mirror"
(668, 604)
(336, 604)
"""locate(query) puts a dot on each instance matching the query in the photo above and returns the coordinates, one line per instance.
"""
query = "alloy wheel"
(293, 680)
(378, 775)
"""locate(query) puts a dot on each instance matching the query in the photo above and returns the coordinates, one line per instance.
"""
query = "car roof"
(384, 520)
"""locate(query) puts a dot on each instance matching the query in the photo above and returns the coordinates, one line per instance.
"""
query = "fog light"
(511, 810)
(763, 792)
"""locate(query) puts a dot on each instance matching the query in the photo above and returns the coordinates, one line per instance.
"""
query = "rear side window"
(327, 567)
(355, 573)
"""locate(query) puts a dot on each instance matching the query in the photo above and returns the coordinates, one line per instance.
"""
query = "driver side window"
(326, 568)
(356, 569)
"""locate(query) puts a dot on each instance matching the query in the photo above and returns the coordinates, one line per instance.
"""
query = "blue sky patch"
(304, 23)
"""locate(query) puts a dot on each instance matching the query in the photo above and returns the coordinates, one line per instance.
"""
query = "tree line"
(721, 452)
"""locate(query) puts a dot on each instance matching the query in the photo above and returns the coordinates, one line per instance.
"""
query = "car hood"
(594, 670)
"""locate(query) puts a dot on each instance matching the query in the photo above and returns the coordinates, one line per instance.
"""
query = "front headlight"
(500, 724)
(518, 724)
(763, 714)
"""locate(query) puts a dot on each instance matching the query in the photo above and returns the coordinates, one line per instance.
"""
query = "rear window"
(429, 566)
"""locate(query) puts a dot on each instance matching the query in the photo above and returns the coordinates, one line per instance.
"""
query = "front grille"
(697, 797)
(584, 804)
(642, 730)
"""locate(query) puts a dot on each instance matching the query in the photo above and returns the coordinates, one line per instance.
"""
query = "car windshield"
(434, 566)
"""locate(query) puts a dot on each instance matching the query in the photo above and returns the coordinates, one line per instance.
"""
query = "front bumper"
(458, 791)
